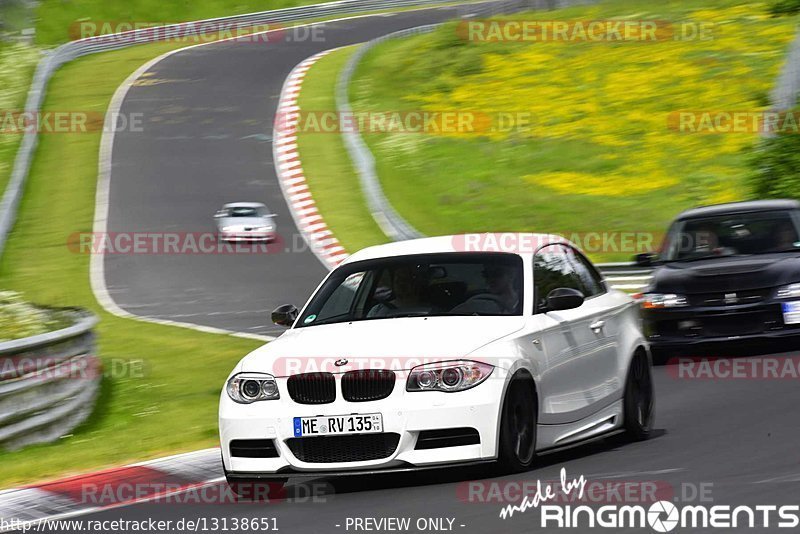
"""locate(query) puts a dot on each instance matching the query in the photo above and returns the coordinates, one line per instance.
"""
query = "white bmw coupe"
(433, 352)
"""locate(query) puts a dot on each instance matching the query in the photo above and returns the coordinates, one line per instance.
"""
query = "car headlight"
(791, 291)
(228, 228)
(448, 376)
(264, 229)
(663, 300)
(246, 388)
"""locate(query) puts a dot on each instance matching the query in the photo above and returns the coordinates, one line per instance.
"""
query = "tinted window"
(728, 234)
(244, 211)
(422, 285)
(591, 281)
(552, 269)
(343, 297)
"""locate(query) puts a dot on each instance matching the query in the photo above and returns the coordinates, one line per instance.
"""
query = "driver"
(405, 294)
(785, 236)
(706, 241)
(501, 296)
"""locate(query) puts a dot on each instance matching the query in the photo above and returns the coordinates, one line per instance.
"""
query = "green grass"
(17, 63)
(56, 17)
(631, 173)
(14, 16)
(174, 406)
(330, 175)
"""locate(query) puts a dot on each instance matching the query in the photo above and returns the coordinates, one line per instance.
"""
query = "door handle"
(597, 326)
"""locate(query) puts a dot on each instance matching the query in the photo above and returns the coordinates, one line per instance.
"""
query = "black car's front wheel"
(518, 426)
(639, 401)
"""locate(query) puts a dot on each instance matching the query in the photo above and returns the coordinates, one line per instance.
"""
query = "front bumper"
(404, 413)
(293, 473)
(247, 237)
(700, 325)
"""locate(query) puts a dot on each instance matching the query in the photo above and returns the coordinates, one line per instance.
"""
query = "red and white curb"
(289, 169)
(159, 479)
(112, 488)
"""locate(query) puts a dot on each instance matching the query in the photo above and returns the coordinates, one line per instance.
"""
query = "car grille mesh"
(447, 437)
(253, 448)
(352, 448)
(312, 388)
(367, 385)
(751, 296)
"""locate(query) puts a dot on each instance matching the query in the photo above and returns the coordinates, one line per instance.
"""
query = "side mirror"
(564, 298)
(645, 259)
(219, 215)
(285, 315)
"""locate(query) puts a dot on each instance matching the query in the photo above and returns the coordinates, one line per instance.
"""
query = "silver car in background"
(245, 221)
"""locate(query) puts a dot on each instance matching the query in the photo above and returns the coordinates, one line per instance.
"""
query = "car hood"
(733, 273)
(398, 344)
(244, 221)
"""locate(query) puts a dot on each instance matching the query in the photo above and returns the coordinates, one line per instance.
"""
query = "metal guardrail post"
(48, 383)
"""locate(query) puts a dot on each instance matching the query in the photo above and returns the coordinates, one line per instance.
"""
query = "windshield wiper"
(408, 314)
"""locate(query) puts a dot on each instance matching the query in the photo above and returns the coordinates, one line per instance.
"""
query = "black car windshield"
(424, 285)
(763, 232)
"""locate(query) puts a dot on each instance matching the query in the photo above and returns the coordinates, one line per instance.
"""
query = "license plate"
(325, 425)
(791, 312)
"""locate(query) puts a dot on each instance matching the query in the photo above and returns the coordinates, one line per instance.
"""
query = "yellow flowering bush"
(603, 150)
(19, 319)
(618, 96)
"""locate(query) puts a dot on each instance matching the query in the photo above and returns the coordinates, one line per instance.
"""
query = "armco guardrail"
(784, 94)
(48, 383)
(392, 223)
(105, 43)
(388, 219)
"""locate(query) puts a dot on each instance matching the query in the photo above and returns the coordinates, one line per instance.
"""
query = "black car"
(726, 274)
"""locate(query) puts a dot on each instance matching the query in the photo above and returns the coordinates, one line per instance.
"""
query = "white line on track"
(97, 266)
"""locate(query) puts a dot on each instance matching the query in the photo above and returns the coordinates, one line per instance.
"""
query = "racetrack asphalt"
(731, 441)
(209, 113)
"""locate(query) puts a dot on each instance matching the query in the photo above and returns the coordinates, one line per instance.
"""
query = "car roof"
(739, 207)
(509, 242)
(244, 205)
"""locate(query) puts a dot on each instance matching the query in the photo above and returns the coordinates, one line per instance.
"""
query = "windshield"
(419, 286)
(244, 212)
(732, 234)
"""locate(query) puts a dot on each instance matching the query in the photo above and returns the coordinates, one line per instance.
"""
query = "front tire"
(639, 401)
(517, 445)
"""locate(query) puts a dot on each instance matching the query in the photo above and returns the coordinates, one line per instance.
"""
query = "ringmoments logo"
(660, 516)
